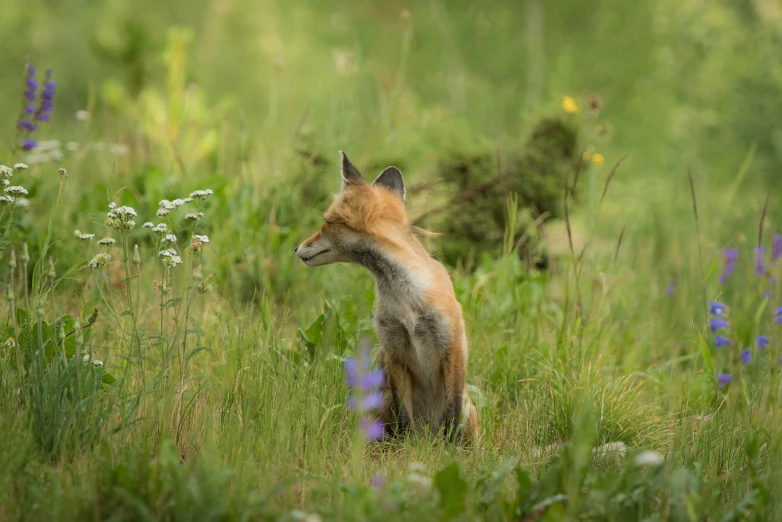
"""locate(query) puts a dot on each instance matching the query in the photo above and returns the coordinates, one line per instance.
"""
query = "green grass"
(223, 397)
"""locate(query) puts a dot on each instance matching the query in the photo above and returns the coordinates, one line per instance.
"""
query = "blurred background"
(255, 98)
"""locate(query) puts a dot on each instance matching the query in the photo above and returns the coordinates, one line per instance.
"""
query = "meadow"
(165, 356)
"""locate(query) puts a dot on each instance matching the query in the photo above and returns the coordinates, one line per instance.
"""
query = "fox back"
(417, 318)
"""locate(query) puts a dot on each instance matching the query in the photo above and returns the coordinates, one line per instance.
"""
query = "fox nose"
(295, 249)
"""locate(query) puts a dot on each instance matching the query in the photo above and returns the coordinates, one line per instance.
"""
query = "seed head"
(52, 273)
(12, 259)
(100, 261)
(25, 253)
(136, 256)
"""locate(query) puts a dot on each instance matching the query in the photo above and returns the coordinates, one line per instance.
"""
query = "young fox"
(418, 319)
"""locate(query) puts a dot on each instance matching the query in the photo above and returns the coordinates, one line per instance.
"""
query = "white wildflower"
(16, 191)
(72, 146)
(86, 237)
(148, 224)
(120, 218)
(169, 237)
(5, 182)
(202, 239)
(23, 202)
(162, 228)
(56, 154)
(100, 261)
(77, 232)
(201, 194)
(49, 145)
(6, 199)
(649, 458)
(112, 205)
(162, 212)
(82, 115)
(168, 252)
(191, 215)
(20, 166)
(97, 363)
(171, 262)
(106, 241)
(8, 171)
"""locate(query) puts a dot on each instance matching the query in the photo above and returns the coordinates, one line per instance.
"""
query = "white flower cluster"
(202, 239)
(15, 192)
(120, 218)
(169, 258)
(83, 237)
(201, 194)
(107, 241)
(100, 261)
(46, 150)
(167, 206)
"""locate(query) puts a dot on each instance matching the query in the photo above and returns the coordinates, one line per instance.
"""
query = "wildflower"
(776, 247)
(20, 166)
(201, 194)
(82, 115)
(169, 237)
(762, 341)
(192, 216)
(112, 205)
(671, 288)
(7, 171)
(97, 363)
(720, 341)
(716, 308)
(16, 191)
(100, 261)
(778, 315)
(760, 252)
(723, 379)
(171, 205)
(365, 397)
(717, 324)
(162, 212)
(169, 258)
(31, 114)
(730, 255)
(5, 182)
(598, 159)
(746, 356)
(72, 146)
(162, 228)
(148, 224)
(120, 218)
(378, 480)
(27, 143)
(107, 241)
(569, 105)
(649, 458)
(46, 106)
(6, 199)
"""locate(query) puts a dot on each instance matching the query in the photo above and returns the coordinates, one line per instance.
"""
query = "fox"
(418, 320)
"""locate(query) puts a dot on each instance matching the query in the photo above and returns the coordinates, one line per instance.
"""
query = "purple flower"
(762, 341)
(760, 265)
(746, 356)
(731, 255)
(717, 324)
(371, 402)
(723, 379)
(373, 430)
(379, 480)
(26, 125)
(778, 315)
(716, 308)
(27, 144)
(29, 108)
(671, 288)
(776, 247)
(720, 341)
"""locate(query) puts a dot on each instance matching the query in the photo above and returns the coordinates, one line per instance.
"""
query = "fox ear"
(350, 174)
(391, 178)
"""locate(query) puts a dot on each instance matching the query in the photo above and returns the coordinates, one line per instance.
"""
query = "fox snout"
(317, 250)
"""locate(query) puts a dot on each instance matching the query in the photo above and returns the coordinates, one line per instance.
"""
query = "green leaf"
(107, 378)
(22, 318)
(453, 490)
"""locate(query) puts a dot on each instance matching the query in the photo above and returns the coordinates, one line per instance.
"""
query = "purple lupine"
(760, 263)
(671, 288)
(746, 356)
(776, 247)
(778, 315)
(717, 324)
(31, 114)
(720, 341)
(731, 255)
(717, 308)
(365, 397)
(379, 480)
(723, 379)
(762, 341)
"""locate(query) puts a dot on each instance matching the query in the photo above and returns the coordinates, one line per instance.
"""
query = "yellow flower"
(570, 106)
(598, 159)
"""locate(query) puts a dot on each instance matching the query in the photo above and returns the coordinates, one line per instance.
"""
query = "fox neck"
(390, 274)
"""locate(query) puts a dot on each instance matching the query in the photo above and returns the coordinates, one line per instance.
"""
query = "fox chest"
(416, 336)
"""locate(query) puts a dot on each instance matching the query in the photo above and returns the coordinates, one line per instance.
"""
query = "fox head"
(362, 217)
